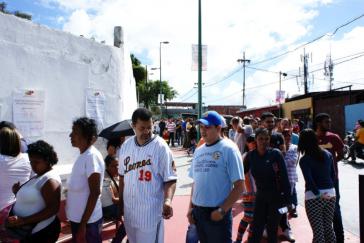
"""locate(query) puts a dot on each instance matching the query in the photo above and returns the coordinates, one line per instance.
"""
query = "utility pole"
(280, 90)
(244, 61)
(305, 70)
(329, 70)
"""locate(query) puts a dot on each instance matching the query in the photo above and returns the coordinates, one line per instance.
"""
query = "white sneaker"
(288, 235)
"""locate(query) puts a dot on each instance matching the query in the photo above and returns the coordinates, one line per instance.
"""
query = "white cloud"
(260, 28)
(79, 23)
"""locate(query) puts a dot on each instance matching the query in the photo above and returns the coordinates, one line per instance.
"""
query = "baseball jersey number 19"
(145, 175)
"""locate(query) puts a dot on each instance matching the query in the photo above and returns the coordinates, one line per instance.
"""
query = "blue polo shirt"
(214, 169)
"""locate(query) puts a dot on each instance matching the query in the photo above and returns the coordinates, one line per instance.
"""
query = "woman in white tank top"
(38, 200)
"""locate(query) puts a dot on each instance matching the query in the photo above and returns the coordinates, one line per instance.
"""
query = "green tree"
(3, 7)
(23, 15)
(16, 13)
(139, 71)
(148, 91)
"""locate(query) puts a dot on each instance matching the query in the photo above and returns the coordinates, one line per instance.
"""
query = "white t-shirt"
(87, 163)
(106, 194)
(29, 199)
(240, 138)
(145, 169)
(12, 170)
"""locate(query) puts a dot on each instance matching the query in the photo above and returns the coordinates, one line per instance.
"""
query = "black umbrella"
(117, 130)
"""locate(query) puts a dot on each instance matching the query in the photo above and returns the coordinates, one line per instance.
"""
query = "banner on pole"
(280, 96)
(195, 57)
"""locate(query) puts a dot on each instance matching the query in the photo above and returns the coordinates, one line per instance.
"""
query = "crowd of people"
(253, 159)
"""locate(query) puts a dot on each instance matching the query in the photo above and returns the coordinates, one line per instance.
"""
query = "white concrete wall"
(35, 57)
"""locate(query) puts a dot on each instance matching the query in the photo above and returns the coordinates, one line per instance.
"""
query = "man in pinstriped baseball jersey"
(147, 181)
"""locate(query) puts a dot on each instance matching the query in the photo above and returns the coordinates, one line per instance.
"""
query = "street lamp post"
(244, 61)
(160, 70)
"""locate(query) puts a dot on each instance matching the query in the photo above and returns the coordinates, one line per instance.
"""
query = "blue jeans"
(93, 231)
(192, 234)
(338, 223)
(210, 231)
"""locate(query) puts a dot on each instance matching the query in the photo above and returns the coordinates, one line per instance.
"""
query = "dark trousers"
(265, 213)
(338, 223)
(294, 196)
(171, 139)
(178, 137)
(110, 212)
(210, 231)
(49, 234)
(354, 148)
(93, 231)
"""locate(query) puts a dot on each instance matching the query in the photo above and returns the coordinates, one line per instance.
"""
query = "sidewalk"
(176, 227)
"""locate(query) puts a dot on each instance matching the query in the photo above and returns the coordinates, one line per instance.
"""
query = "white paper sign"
(95, 106)
(28, 112)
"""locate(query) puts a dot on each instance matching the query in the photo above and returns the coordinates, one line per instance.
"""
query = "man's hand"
(190, 217)
(167, 209)
(216, 215)
(326, 196)
(16, 187)
(14, 221)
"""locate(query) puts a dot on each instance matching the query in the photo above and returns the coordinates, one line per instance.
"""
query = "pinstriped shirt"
(290, 158)
(145, 168)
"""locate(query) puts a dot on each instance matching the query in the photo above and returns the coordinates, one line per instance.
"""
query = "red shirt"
(333, 143)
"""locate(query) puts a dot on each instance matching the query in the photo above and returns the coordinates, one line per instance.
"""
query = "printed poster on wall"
(95, 106)
(28, 112)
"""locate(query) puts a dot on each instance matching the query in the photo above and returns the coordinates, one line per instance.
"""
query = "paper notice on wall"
(95, 106)
(28, 112)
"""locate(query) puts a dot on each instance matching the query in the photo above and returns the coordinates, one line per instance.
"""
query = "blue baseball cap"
(210, 118)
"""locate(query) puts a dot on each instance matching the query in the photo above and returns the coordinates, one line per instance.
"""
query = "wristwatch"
(221, 211)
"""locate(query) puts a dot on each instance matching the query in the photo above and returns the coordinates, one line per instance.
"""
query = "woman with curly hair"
(83, 205)
(38, 200)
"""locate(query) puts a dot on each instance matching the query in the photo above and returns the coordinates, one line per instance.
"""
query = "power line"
(307, 43)
(186, 93)
(240, 91)
(224, 78)
(210, 82)
(355, 55)
(339, 63)
(189, 97)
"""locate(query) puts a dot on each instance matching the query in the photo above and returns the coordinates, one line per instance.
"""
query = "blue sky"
(260, 28)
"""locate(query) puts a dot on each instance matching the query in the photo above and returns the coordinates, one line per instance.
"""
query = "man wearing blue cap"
(218, 176)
